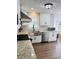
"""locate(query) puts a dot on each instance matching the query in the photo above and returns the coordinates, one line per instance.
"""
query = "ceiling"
(38, 5)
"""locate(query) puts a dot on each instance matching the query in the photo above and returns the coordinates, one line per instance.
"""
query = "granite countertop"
(25, 32)
(25, 50)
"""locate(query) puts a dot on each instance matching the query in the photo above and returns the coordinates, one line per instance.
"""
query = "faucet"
(33, 28)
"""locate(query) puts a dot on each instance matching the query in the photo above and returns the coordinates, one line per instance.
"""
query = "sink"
(36, 33)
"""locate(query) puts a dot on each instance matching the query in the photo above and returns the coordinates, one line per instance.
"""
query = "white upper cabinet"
(47, 19)
(44, 19)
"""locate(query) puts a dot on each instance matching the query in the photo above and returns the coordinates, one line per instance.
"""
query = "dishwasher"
(45, 36)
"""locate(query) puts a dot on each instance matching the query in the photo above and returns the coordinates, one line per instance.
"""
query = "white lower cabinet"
(52, 36)
(36, 39)
(48, 36)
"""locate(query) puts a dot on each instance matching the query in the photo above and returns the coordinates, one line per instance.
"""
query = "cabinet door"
(44, 19)
(52, 36)
(51, 20)
(36, 39)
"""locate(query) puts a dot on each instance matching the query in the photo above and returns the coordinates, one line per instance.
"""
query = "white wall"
(35, 19)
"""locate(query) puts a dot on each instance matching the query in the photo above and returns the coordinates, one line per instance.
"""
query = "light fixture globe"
(48, 5)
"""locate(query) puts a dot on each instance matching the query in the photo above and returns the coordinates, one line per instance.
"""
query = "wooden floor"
(51, 50)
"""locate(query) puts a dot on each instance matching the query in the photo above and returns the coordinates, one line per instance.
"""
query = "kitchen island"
(25, 50)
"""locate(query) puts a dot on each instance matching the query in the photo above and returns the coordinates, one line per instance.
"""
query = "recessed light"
(32, 54)
(32, 8)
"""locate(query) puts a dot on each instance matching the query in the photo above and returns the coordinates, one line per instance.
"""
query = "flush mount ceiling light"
(48, 5)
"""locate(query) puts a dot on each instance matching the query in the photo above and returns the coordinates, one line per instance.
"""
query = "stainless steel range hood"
(25, 18)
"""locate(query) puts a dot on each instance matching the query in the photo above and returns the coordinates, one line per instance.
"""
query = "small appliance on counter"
(51, 29)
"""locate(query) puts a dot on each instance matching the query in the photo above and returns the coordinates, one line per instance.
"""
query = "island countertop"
(25, 50)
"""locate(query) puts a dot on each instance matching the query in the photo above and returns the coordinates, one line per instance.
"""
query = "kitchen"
(39, 23)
